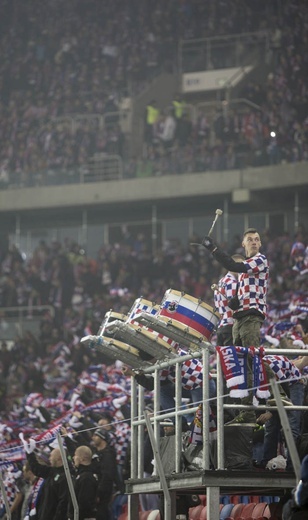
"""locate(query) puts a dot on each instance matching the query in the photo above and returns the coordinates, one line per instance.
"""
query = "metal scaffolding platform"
(217, 472)
(229, 482)
(212, 482)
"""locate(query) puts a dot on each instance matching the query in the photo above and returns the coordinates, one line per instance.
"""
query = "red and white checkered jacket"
(227, 290)
(283, 368)
(191, 372)
(252, 285)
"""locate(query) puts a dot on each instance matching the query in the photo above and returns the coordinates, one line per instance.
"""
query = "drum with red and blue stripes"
(185, 311)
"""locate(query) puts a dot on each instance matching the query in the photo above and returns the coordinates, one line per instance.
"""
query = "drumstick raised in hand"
(218, 213)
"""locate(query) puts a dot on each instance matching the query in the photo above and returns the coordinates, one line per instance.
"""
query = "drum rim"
(115, 314)
(121, 344)
(147, 333)
(153, 304)
(138, 301)
(200, 302)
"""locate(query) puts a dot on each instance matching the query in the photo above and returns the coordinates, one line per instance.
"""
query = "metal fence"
(15, 321)
(219, 52)
(166, 484)
(211, 478)
(103, 167)
(98, 121)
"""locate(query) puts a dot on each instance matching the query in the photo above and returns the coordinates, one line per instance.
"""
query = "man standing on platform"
(251, 295)
(252, 287)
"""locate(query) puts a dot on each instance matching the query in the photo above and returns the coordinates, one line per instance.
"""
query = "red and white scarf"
(33, 498)
(234, 362)
(231, 366)
(196, 431)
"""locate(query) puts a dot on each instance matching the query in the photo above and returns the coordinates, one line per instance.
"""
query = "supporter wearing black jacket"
(55, 496)
(105, 458)
(85, 485)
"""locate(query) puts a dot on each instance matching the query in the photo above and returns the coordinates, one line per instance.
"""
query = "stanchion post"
(68, 477)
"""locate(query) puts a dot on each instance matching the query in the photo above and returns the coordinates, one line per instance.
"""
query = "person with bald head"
(85, 485)
(55, 492)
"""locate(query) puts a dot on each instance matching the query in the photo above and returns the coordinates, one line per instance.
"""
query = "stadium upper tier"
(64, 61)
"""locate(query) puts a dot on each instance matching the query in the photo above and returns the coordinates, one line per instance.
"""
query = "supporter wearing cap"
(102, 434)
(106, 422)
(105, 458)
(119, 438)
(169, 428)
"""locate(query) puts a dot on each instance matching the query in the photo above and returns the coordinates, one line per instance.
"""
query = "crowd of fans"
(81, 290)
(237, 136)
(61, 60)
(51, 380)
(69, 59)
(229, 138)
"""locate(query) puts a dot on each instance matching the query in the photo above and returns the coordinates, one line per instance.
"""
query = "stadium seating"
(195, 512)
(203, 515)
(143, 515)
(236, 512)
(247, 511)
(261, 510)
(226, 511)
(252, 511)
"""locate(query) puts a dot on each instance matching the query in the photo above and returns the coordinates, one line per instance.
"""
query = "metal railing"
(102, 167)
(141, 419)
(224, 105)
(99, 121)
(218, 52)
(165, 484)
(17, 320)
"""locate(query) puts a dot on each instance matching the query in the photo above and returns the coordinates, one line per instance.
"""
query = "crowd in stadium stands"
(65, 59)
(51, 380)
(82, 289)
(60, 60)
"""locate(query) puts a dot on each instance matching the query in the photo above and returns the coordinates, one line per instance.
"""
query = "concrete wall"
(154, 189)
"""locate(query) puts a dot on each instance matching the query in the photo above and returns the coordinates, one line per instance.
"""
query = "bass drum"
(189, 315)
